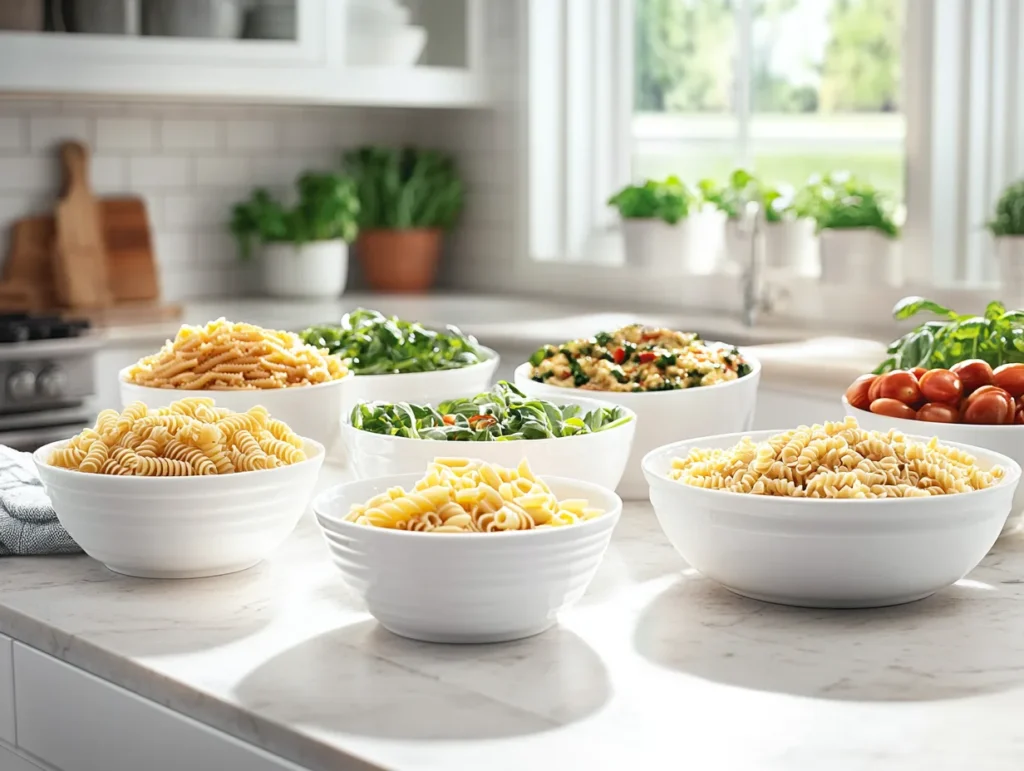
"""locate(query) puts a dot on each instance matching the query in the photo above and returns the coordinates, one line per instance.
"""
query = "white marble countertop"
(657, 668)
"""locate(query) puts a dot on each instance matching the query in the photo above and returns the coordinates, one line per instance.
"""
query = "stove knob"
(21, 385)
(52, 382)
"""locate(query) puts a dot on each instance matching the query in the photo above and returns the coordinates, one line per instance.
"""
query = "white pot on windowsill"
(791, 244)
(1010, 256)
(653, 244)
(316, 269)
(737, 242)
(861, 257)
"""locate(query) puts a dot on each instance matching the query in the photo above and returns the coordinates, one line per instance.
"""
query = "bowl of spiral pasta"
(833, 515)
(466, 551)
(242, 366)
(183, 491)
(679, 385)
(564, 436)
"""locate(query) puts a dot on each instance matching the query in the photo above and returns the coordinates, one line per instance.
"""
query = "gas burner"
(22, 327)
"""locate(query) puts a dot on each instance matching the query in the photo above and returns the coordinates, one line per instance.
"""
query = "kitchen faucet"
(755, 298)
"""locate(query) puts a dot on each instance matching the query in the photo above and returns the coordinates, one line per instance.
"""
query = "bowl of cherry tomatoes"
(970, 403)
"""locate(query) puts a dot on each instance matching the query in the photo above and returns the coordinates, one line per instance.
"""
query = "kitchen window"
(919, 98)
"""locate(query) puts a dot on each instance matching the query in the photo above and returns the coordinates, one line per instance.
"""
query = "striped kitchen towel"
(28, 523)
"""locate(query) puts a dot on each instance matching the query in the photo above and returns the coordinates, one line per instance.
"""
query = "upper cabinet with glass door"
(373, 52)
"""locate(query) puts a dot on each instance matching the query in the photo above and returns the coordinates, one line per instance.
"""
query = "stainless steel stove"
(47, 379)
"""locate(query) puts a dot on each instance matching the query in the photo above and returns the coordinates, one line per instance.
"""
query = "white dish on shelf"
(384, 46)
(180, 527)
(314, 410)
(1006, 440)
(465, 587)
(363, 14)
(824, 553)
(598, 458)
(667, 416)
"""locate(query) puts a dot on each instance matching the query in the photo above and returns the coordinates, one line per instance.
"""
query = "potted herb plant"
(305, 247)
(789, 239)
(656, 224)
(731, 200)
(1008, 228)
(408, 197)
(856, 229)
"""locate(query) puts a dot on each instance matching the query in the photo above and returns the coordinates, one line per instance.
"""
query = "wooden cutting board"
(30, 263)
(131, 264)
(80, 257)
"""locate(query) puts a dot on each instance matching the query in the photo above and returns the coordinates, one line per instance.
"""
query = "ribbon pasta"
(191, 437)
(459, 495)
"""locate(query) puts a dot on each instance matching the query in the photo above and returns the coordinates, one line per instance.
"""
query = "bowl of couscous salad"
(679, 385)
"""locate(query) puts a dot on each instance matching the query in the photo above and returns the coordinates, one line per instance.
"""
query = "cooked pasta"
(191, 437)
(835, 460)
(459, 495)
(224, 356)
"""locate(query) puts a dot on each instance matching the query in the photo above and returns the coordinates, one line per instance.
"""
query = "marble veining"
(655, 668)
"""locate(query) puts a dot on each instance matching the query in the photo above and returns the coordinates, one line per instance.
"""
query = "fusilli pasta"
(458, 495)
(835, 460)
(191, 437)
(226, 356)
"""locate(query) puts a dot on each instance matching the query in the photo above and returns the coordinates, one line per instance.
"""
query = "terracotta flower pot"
(399, 260)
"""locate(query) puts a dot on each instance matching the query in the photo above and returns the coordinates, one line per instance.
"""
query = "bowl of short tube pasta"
(183, 491)
(831, 515)
(467, 551)
(242, 366)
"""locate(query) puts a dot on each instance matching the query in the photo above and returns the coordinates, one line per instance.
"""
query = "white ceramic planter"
(1010, 255)
(861, 257)
(654, 244)
(317, 269)
(791, 244)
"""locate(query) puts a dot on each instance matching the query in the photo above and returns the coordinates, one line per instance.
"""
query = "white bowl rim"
(1010, 466)
(492, 357)
(755, 371)
(909, 423)
(346, 423)
(41, 454)
(402, 480)
(213, 392)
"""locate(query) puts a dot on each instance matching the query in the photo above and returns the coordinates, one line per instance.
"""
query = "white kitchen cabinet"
(77, 722)
(309, 69)
(6, 691)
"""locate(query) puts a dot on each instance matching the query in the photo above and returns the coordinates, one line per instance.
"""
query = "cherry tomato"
(646, 356)
(892, 408)
(449, 420)
(989, 406)
(1020, 418)
(934, 412)
(918, 372)
(973, 373)
(899, 385)
(873, 388)
(619, 354)
(857, 393)
(941, 385)
(1010, 377)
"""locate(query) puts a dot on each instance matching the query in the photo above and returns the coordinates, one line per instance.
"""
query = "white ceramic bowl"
(465, 587)
(1006, 440)
(384, 46)
(424, 387)
(314, 411)
(828, 553)
(180, 527)
(668, 416)
(598, 458)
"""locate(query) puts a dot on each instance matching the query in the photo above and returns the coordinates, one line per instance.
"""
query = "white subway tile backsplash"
(217, 250)
(175, 249)
(109, 175)
(162, 172)
(310, 134)
(13, 133)
(184, 134)
(31, 174)
(47, 132)
(223, 172)
(199, 212)
(250, 134)
(125, 134)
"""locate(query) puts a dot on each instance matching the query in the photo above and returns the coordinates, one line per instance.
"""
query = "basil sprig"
(375, 344)
(996, 337)
(500, 415)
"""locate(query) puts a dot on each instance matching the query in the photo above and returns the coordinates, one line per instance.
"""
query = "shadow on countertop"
(363, 680)
(961, 642)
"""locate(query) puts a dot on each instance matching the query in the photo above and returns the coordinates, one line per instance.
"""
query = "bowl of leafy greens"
(566, 436)
(397, 360)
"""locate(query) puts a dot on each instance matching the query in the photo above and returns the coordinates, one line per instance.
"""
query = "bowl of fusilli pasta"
(242, 366)
(182, 491)
(469, 552)
(831, 515)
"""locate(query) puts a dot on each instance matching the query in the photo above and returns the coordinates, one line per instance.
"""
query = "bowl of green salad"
(565, 436)
(397, 360)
